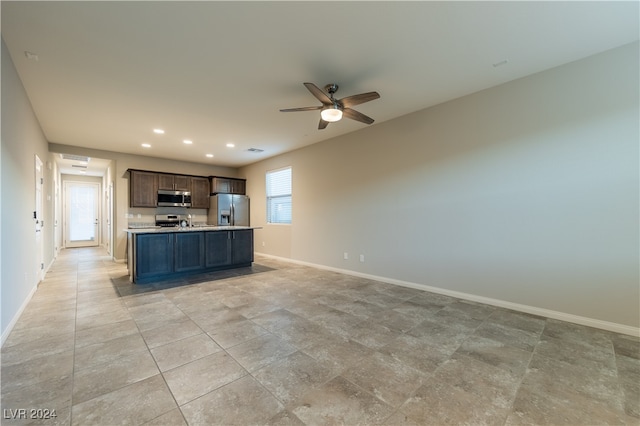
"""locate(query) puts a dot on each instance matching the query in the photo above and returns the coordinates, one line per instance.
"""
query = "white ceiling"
(81, 165)
(108, 73)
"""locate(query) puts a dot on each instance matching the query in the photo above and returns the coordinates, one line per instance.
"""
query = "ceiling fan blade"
(312, 108)
(350, 101)
(318, 93)
(355, 115)
(323, 124)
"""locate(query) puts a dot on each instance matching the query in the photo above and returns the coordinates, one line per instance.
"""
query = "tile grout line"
(524, 375)
(514, 341)
(75, 334)
(158, 367)
(190, 362)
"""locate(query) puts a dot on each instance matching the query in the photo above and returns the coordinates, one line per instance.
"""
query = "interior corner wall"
(22, 139)
(525, 193)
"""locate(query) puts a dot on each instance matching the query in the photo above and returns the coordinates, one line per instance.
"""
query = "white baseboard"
(562, 316)
(15, 318)
(49, 266)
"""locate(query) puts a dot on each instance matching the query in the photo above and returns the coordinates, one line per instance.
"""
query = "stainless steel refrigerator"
(228, 210)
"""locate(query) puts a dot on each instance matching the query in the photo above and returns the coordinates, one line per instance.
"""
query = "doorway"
(110, 220)
(38, 219)
(81, 214)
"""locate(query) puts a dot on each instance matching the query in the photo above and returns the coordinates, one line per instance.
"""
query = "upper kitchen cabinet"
(174, 182)
(143, 188)
(224, 185)
(220, 185)
(200, 192)
(238, 186)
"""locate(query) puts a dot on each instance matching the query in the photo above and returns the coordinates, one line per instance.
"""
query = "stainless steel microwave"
(174, 198)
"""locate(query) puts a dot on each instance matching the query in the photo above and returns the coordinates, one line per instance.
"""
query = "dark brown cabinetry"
(174, 182)
(143, 188)
(200, 191)
(238, 186)
(224, 185)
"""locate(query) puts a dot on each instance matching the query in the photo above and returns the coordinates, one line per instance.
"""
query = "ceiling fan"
(334, 109)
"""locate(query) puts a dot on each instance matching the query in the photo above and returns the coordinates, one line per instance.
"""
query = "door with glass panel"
(82, 214)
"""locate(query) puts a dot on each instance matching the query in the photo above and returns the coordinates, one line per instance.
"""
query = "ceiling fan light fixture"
(331, 114)
(332, 109)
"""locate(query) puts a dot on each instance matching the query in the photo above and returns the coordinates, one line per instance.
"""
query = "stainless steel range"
(173, 220)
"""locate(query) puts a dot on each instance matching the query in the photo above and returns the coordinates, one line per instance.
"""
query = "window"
(279, 196)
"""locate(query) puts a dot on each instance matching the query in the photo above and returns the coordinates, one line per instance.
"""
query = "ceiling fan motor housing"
(331, 89)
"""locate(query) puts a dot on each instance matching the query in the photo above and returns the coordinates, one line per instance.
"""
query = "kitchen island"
(156, 254)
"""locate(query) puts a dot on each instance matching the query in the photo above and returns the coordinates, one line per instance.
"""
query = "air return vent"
(255, 150)
(75, 157)
(79, 166)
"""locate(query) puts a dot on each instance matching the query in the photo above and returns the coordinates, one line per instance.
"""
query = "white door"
(37, 217)
(82, 214)
(110, 219)
(57, 211)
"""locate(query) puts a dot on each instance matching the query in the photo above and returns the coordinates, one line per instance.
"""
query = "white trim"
(39, 218)
(46, 270)
(576, 319)
(16, 317)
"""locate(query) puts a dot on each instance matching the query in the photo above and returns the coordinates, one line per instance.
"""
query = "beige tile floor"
(285, 344)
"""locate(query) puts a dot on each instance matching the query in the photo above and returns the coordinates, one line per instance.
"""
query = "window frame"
(270, 198)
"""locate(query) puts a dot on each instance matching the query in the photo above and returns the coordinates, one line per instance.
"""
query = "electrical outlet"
(346, 256)
(362, 258)
(139, 216)
(264, 244)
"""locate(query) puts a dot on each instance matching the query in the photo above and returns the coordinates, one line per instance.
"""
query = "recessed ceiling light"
(158, 131)
(146, 145)
(187, 142)
(210, 155)
(230, 145)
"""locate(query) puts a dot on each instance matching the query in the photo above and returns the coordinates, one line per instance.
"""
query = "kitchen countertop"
(198, 228)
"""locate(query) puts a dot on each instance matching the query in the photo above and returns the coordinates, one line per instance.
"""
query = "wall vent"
(75, 157)
(80, 166)
(255, 150)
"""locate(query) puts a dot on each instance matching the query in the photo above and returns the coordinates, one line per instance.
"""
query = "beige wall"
(525, 193)
(22, 140)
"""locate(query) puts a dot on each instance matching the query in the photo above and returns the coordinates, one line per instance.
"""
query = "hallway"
(289, 344)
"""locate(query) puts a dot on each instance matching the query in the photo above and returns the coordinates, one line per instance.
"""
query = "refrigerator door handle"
(232, 218)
